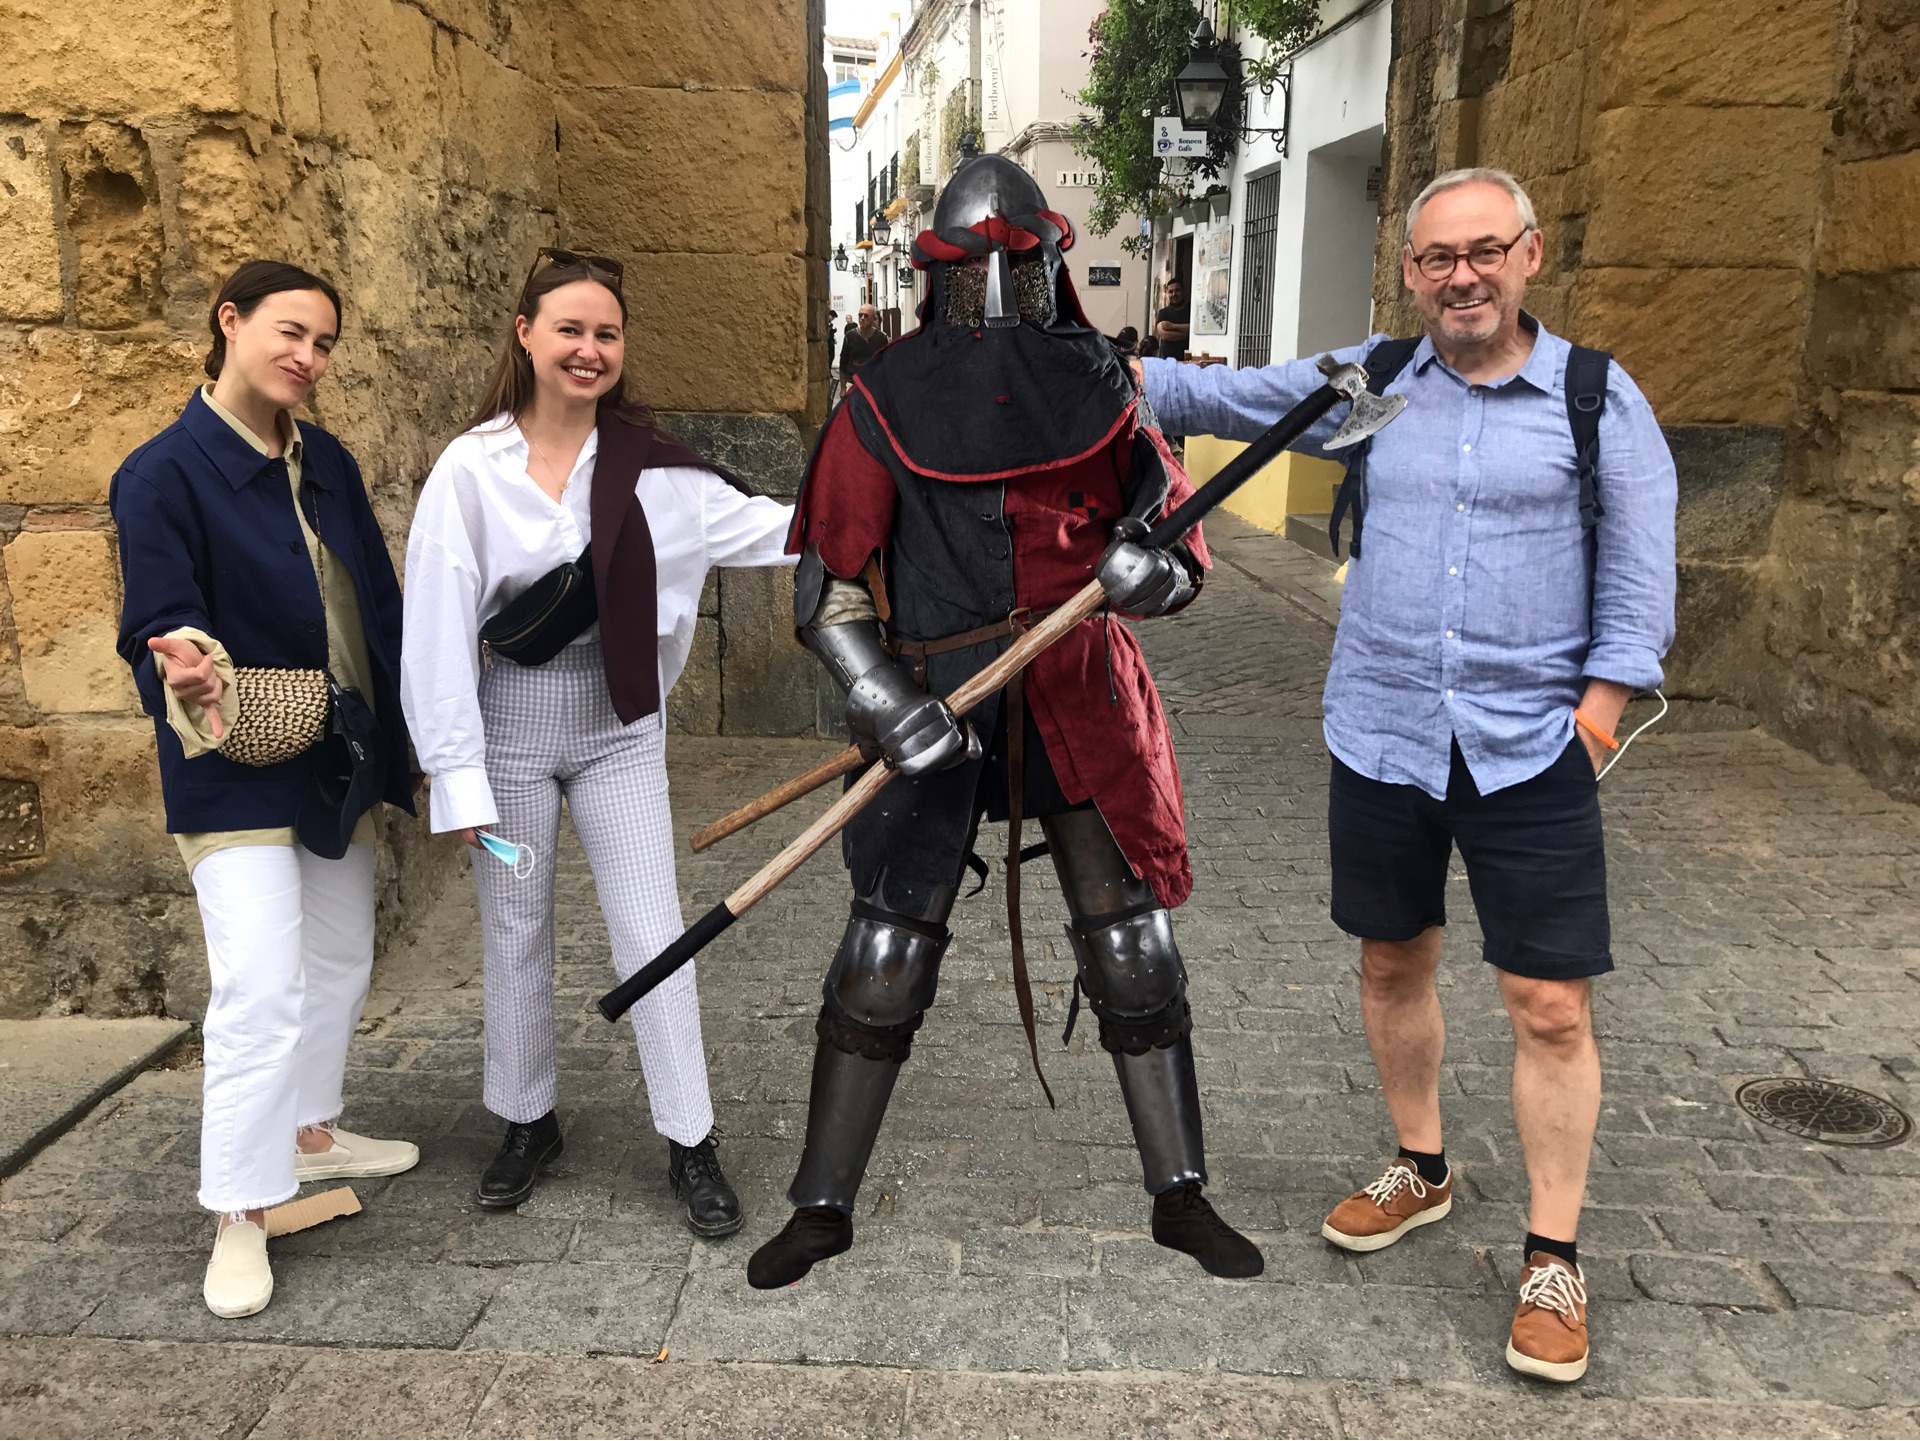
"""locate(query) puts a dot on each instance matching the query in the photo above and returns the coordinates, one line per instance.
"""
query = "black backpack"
(1586, 395)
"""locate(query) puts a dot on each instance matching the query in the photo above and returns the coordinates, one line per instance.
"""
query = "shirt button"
(295, 546)
(1466, 448)
(1460, 507)
(1449, 695)
(1449, 635)
(1453, 570)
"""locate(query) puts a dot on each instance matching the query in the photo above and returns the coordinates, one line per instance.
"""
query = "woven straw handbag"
(282, 713)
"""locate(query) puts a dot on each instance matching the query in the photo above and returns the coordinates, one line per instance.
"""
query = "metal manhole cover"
(1825, 1111)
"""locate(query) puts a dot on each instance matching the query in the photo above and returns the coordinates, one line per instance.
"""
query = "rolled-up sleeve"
(440, 660)
(1240, 404)
(1633, 580)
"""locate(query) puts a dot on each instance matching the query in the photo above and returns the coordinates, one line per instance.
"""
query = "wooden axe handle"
(844, 762)
(787, 792)
(977, 688)
(832, 820)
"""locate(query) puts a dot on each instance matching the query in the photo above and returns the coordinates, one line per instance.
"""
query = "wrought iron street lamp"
(840, 257)
(880, 232)
(1201, 88)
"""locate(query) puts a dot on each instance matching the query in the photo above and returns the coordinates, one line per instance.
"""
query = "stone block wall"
(417, 152)
(1730, 194)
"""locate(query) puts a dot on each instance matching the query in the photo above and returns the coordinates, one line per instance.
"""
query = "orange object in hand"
(1587, 724)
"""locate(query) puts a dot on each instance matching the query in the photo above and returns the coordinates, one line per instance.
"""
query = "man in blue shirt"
(1488, 644)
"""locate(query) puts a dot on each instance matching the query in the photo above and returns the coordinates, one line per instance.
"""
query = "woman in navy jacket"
(246, 540)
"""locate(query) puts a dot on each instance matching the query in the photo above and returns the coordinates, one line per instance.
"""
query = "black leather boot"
(811, 1235)
(694, 1173)
(510, 1178)
(1183, 1221)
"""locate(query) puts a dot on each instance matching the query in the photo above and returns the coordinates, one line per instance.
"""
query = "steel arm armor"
(885, 708)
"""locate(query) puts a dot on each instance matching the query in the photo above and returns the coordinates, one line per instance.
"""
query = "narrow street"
(1744, 1280)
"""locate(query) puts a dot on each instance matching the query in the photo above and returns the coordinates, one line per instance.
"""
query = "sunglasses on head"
(599, 267)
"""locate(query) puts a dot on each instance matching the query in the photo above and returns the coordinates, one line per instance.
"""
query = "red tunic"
(1107, 741)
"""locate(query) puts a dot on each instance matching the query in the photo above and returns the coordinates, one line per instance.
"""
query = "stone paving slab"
(52, 1072)
(88, 1388)
(1744, 1281)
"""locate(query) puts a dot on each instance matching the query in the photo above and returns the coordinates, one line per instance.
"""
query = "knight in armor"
(978, 473)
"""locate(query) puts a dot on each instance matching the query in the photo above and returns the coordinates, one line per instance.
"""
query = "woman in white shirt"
(558, 457)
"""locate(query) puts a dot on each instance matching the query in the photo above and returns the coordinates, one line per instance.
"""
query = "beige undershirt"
(346, 656)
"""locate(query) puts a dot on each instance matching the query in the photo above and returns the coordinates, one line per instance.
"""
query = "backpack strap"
(1382, 364)
(1586, 398)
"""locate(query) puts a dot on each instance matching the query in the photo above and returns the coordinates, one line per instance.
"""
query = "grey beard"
(967, 295)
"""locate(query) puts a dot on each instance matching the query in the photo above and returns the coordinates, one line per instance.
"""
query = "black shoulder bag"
(350, 760)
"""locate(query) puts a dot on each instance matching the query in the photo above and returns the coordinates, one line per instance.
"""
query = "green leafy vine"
(1136, 47)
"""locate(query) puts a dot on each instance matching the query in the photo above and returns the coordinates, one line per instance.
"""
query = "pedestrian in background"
(250, 563)
(1509, 597)
(861, 343)
(1173, 321)
(536, 671)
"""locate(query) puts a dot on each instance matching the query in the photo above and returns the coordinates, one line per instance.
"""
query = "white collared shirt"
(484, 531)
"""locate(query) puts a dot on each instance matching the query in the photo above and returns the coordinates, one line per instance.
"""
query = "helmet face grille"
(966, 288)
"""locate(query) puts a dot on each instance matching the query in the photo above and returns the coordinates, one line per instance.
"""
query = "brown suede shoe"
(1380, 1214)
(1550, 1325)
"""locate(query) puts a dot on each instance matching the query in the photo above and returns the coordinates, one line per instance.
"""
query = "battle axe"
(1344, 382)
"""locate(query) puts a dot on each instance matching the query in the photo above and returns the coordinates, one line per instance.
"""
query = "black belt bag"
(349, 774)
(546, 617)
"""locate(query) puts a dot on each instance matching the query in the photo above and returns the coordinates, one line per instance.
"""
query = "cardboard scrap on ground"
(314, 1210)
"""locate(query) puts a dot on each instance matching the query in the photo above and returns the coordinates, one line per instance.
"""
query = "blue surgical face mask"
(519, 858)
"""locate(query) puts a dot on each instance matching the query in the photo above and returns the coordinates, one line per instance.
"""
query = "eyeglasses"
(1486, 259)
(610, 270)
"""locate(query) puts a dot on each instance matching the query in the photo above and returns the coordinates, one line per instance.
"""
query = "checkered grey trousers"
(552, 732)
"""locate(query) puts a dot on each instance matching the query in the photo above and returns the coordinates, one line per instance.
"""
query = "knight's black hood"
(962, 402)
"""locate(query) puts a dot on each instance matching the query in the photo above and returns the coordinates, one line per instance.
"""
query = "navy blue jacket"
(209, 538)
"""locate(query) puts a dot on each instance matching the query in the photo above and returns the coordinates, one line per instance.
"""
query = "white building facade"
(1005, 71)
(1281, 265)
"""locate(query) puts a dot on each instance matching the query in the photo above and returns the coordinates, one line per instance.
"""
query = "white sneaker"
(353, 1155)
(239, 1280)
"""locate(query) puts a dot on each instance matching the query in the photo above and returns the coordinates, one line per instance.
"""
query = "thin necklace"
(566, 480)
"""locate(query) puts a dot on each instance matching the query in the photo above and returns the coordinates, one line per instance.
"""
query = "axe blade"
(1370, 415)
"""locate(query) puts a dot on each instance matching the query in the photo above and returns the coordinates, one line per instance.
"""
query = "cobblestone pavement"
(1744, 1282)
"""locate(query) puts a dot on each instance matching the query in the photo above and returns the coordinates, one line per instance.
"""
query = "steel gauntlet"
(885, 708)
(1141, 580)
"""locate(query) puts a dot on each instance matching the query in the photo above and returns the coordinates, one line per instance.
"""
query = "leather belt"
(917, 651)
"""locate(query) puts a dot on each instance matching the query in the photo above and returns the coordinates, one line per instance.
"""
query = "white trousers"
(290, 950)
(552, 733)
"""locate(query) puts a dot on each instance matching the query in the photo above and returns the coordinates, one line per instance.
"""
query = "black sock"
(1432, 1165)
(1565, 1250)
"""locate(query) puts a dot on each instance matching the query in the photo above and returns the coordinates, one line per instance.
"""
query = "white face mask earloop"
(518, 857)
(1614, 760)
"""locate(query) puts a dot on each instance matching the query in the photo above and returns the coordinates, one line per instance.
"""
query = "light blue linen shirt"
(1474, 613)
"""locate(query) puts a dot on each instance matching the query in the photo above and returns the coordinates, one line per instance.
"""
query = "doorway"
(1337, 244)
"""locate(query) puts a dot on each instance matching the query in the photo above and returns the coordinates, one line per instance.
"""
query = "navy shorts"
(1536, 863)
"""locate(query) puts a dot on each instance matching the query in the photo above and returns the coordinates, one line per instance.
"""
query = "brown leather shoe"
(1380, 1214)
(1550, 1324)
